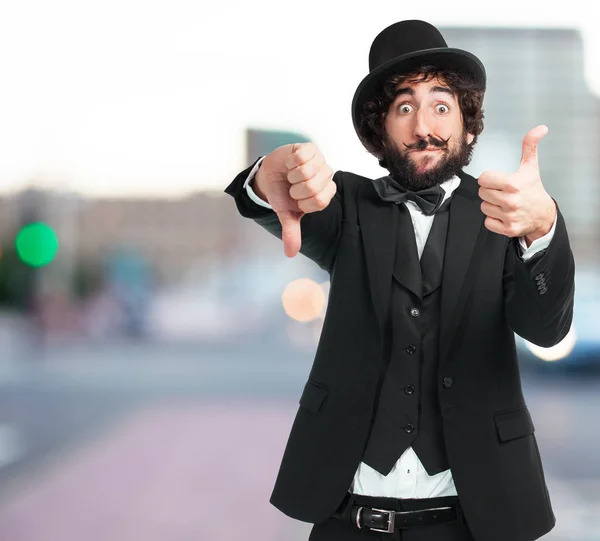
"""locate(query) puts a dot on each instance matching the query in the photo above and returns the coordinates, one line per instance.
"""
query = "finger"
(312, 186)
(493, 211)
(290, 231)
(507, 200)
(319, 201)
(494, 180)
(491, 196)
(307, 170)
(529, 154)
(300, 154)
(495, 225)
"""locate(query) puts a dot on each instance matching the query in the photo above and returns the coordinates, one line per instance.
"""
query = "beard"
(404, 171)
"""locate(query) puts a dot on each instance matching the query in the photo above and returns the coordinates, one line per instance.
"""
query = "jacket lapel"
(379, 225)
(407, 268)
(464, 228)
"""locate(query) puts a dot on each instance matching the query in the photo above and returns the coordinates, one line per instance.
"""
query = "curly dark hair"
(469, 96)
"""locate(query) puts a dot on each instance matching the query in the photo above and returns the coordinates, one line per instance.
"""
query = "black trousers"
(343, 529)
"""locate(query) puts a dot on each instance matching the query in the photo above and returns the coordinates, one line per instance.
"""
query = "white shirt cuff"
(538, 244)
(250, 191)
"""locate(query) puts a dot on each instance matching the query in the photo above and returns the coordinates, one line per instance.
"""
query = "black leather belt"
(386, 521)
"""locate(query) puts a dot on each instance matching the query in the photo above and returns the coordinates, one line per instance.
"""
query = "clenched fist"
(517, 205)
(295, 180)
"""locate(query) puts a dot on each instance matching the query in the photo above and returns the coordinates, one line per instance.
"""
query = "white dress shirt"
(408, 478)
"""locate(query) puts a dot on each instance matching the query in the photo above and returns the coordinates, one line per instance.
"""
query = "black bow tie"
(429, 199)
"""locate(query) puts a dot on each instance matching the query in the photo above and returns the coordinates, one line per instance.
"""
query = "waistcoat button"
(415, 312)
(409, 389)
(411, 349)
(409, 428)
(447, 382)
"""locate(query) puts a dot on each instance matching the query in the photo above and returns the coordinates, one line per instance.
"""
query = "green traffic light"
(36, 244)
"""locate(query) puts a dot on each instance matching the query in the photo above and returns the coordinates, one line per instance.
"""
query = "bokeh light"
(303, 299)
(36, 244)
(557, 352)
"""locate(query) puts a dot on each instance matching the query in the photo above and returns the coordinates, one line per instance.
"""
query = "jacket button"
(409, 389)
(447, 382)
(415, 312)
(409, 428)
(411, 349)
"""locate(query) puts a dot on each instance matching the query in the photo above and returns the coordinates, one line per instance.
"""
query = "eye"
(442, 108)
(405, 108)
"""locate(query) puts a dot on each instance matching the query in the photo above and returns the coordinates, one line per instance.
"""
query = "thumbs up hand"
(295, 180)
(517, 205)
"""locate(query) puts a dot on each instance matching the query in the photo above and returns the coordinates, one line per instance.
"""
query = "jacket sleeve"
(320, 230)
(539, 293)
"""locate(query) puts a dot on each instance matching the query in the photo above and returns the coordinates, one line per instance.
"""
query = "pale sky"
(132, 97)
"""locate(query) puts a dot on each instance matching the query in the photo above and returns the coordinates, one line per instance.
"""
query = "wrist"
(545, 228)
(257, 183)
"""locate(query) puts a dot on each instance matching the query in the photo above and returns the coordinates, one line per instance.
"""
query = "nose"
(423, 124)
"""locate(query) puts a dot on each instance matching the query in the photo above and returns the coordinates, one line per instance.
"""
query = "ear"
(470, 138)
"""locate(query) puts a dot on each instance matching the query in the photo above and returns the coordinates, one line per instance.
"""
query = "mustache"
(422, 144)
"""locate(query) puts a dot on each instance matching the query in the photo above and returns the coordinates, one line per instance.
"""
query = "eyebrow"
(432, 90)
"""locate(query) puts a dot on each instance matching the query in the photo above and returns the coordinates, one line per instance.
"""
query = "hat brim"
(444, 57)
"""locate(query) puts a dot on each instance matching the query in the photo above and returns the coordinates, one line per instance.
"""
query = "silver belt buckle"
(391, 521)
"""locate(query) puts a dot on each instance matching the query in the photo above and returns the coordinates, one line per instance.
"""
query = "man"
(412, 424)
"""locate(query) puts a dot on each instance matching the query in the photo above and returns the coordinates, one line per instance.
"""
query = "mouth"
(432, 149)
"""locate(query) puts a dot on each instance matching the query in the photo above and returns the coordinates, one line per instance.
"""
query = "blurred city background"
(153, 343)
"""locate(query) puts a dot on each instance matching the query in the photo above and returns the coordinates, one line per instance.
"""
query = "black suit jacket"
(488, 293)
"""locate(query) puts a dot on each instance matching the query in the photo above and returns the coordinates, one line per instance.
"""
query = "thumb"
(530, 145)
(290, 231)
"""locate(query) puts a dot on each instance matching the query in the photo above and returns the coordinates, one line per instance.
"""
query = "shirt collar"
(450, 185)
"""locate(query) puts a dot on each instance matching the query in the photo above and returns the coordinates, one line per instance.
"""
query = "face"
(426, 143)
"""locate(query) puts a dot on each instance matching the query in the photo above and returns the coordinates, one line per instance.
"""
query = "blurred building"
(8, 217)
(171, 234)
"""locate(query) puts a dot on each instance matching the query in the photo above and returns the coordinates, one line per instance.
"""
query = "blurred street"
(167, 439)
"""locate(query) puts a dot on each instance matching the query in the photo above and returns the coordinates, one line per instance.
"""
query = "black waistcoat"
(408, 410)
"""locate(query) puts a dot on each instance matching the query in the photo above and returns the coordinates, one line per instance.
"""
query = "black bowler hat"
(402, 48)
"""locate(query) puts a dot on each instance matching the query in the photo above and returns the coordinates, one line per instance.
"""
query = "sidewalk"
(190, 471)
(182, 472)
